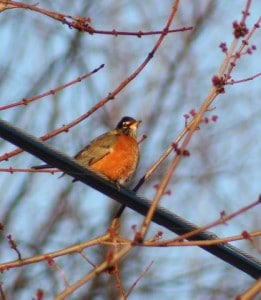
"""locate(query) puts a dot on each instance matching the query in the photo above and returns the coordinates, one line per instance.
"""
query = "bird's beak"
(136, 124)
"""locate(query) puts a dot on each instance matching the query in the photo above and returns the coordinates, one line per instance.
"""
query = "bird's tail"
(41, 167)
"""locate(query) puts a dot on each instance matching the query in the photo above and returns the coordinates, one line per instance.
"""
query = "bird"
(114, 154)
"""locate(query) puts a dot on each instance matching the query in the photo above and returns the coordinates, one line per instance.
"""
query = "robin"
(114, 154)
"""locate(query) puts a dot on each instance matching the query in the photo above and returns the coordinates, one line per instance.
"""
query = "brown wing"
(97, 149)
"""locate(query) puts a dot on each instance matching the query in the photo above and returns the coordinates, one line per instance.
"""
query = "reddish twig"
(101, 103)
(19, 170)
(217, 88)
(140, 33)
(13, 246)
(116, 273)
(199, 243)
(251, 292)
(138, 279)
(232, 81)
(222, 220)
(51, 262)
(26, 101)
(87, 259)
(238, 54)
(83, 23)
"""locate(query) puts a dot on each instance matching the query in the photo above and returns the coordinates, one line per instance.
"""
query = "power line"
(163, 217)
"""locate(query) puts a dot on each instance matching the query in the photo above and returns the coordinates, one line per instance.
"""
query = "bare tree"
(189, 70)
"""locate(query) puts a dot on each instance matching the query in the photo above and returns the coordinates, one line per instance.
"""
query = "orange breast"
(122, 162)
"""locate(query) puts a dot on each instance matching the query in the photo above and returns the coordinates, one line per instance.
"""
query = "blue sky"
(223, 172)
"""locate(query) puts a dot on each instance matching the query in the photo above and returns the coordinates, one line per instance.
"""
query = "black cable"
(174, 223)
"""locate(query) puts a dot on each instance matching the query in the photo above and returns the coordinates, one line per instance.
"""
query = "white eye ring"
(126, 124)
